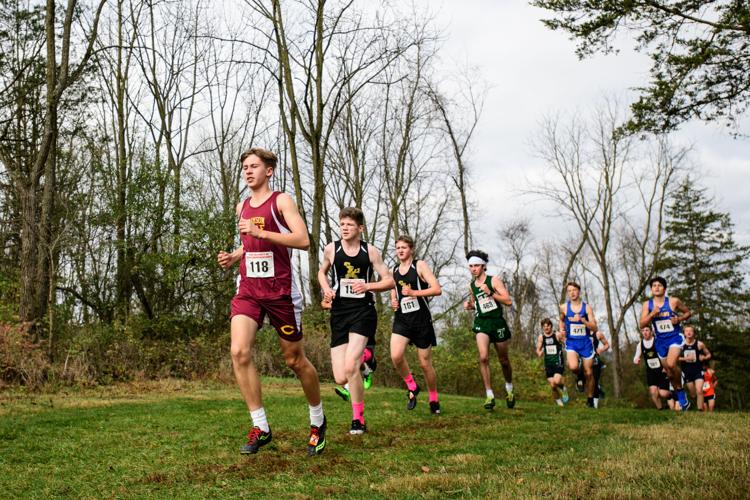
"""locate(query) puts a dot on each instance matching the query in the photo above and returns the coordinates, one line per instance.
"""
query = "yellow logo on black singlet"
(350, 271)
(259, 221)
(401, 282)
(287, 330)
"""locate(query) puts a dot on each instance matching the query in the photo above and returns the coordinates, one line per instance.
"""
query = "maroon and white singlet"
(266, 284)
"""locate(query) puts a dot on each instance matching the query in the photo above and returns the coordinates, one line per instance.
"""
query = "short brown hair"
(406, 239)
(354, 214)
(268, 158)
(573, 283)
(545, 321)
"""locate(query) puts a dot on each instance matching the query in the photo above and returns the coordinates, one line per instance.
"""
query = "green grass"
(180, 440)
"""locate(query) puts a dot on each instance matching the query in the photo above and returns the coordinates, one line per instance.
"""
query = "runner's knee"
(241, 355)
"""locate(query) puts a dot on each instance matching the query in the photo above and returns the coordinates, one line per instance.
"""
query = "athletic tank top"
(709, 382)
(266, 268)
(552, 350)
(662, 324)
(485, 306)
(653, 364)
(348, 270)
(576, 330)
(690, 352)
(411, 309)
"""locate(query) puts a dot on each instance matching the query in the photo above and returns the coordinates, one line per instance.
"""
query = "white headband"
(477, 260)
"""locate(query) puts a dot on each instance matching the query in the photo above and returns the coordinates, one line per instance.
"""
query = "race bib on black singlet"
(689, 356)
(259, 265)
(551, 350)
(346, 289)
(409, 305)
(653, 363)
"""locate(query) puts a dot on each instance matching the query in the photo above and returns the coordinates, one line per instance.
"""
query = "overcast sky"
(534, 71)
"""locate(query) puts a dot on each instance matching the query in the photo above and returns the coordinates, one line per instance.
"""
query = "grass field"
(180, 440)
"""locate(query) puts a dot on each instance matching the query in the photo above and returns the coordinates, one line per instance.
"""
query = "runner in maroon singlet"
(270, 227)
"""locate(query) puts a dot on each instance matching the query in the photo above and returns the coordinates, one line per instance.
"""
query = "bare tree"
(598, 176)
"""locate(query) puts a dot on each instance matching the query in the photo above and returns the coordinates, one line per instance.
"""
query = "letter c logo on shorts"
(287, 330)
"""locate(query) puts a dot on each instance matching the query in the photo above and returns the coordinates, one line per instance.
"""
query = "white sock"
(559, 402)
(509, 387)
(259, 419)
(346, 386)
(596, 402)
(365, 370)
(490, 394)
(316, 415)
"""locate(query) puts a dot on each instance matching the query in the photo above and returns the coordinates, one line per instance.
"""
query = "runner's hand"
(247, 226)
(326, 304)
(468, 305)
(226, 259)
(394, 304)
(329, 295)
(483, 287)
(359, 287)
(675, 320)
(406, 291)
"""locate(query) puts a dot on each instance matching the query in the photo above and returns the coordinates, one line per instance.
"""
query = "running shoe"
(579, 385)
(510, 400)
(255, 439)
(489, 403)
(317, 442)
(590, 404)
(435, 407)
(412, 395)
(685, 407)
(565, 396)
(357, 427)
(367, 381)
(342, 392)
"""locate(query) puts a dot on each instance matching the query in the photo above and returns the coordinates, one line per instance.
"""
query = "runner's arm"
(228, 259)
(603, 343)
(637, 357)
(679, 306)
(707, 353)
(499, 292)
(325, 266)
(433, 289)
(539, 350)
(296, 238)
(646, 316)
(385, 278)
(591, 323)
(469, 304)
(561, 322)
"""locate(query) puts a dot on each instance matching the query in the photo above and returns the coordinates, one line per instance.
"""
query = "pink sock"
(410, 384)
(358, 412)
(366, 355)
(433, 396)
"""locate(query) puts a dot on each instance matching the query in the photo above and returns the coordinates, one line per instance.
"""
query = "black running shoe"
(317, 442)
(412, 395)
(357, 427)
(255, 439)
(435, 407)
(510, 400)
